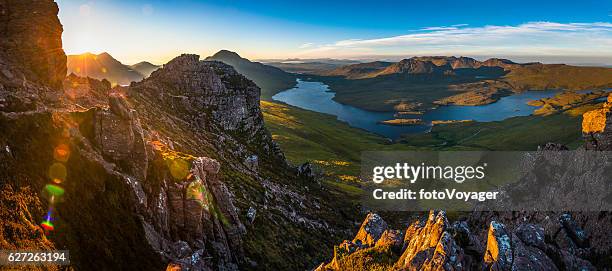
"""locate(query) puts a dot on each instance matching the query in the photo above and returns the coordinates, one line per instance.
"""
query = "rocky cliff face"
(31, 39)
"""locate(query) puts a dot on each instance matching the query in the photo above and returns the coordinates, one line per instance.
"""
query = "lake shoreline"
(318, 97)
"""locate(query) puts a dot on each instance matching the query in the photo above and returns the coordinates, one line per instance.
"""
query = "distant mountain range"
(419, 82)
(270, 79)
(308, 66)
(422, 65)
(104, 66)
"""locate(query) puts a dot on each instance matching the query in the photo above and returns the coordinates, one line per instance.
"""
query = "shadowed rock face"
(31, 39)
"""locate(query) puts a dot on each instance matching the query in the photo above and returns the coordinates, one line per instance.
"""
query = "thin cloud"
(533, 38)
(306, 45)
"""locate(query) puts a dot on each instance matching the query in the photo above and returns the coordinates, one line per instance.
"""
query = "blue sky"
(553, 31)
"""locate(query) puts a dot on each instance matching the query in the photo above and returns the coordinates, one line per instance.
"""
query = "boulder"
(498, 254)
(305, 171)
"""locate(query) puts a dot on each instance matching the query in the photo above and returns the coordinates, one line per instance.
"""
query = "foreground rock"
(431, 243)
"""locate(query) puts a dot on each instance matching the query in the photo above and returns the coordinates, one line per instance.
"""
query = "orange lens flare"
(61, 153)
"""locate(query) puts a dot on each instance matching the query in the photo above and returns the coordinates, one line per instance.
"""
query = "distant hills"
(270, 79)
(419, 82)
(145, 68)
(520, 76)
(423, 65)
(104, 66)
(308, 66)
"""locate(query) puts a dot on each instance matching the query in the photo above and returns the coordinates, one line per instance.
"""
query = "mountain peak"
(226, 54)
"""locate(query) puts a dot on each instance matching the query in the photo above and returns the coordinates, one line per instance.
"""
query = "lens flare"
(61, 153)
(196, 191)
(54, 190)
(47, 225)
(57, 171)
(179, 168)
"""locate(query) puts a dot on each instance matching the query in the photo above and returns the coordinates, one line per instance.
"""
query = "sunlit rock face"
(31, 38)
(429, 245)
(597, 127)
(501, 241)
(371, 230)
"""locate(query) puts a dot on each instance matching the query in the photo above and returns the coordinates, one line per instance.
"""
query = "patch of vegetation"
(518, 133)
(374, 258)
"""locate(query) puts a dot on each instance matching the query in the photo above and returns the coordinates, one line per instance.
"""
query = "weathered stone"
(251, 214)
(531, 235)
(371, 230)
(390, 238)
(305, 171)
(431, 246)
(574, 231)
(498, 255)
(529, 258)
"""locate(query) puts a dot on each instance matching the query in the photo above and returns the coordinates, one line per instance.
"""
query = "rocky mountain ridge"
(502, 74)
(176, 170)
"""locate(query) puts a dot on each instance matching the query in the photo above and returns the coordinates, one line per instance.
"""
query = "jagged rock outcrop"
(427, 244)
(211, 96)
(597, 128)
(371, 230)
(85, 92)
(430, 243)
